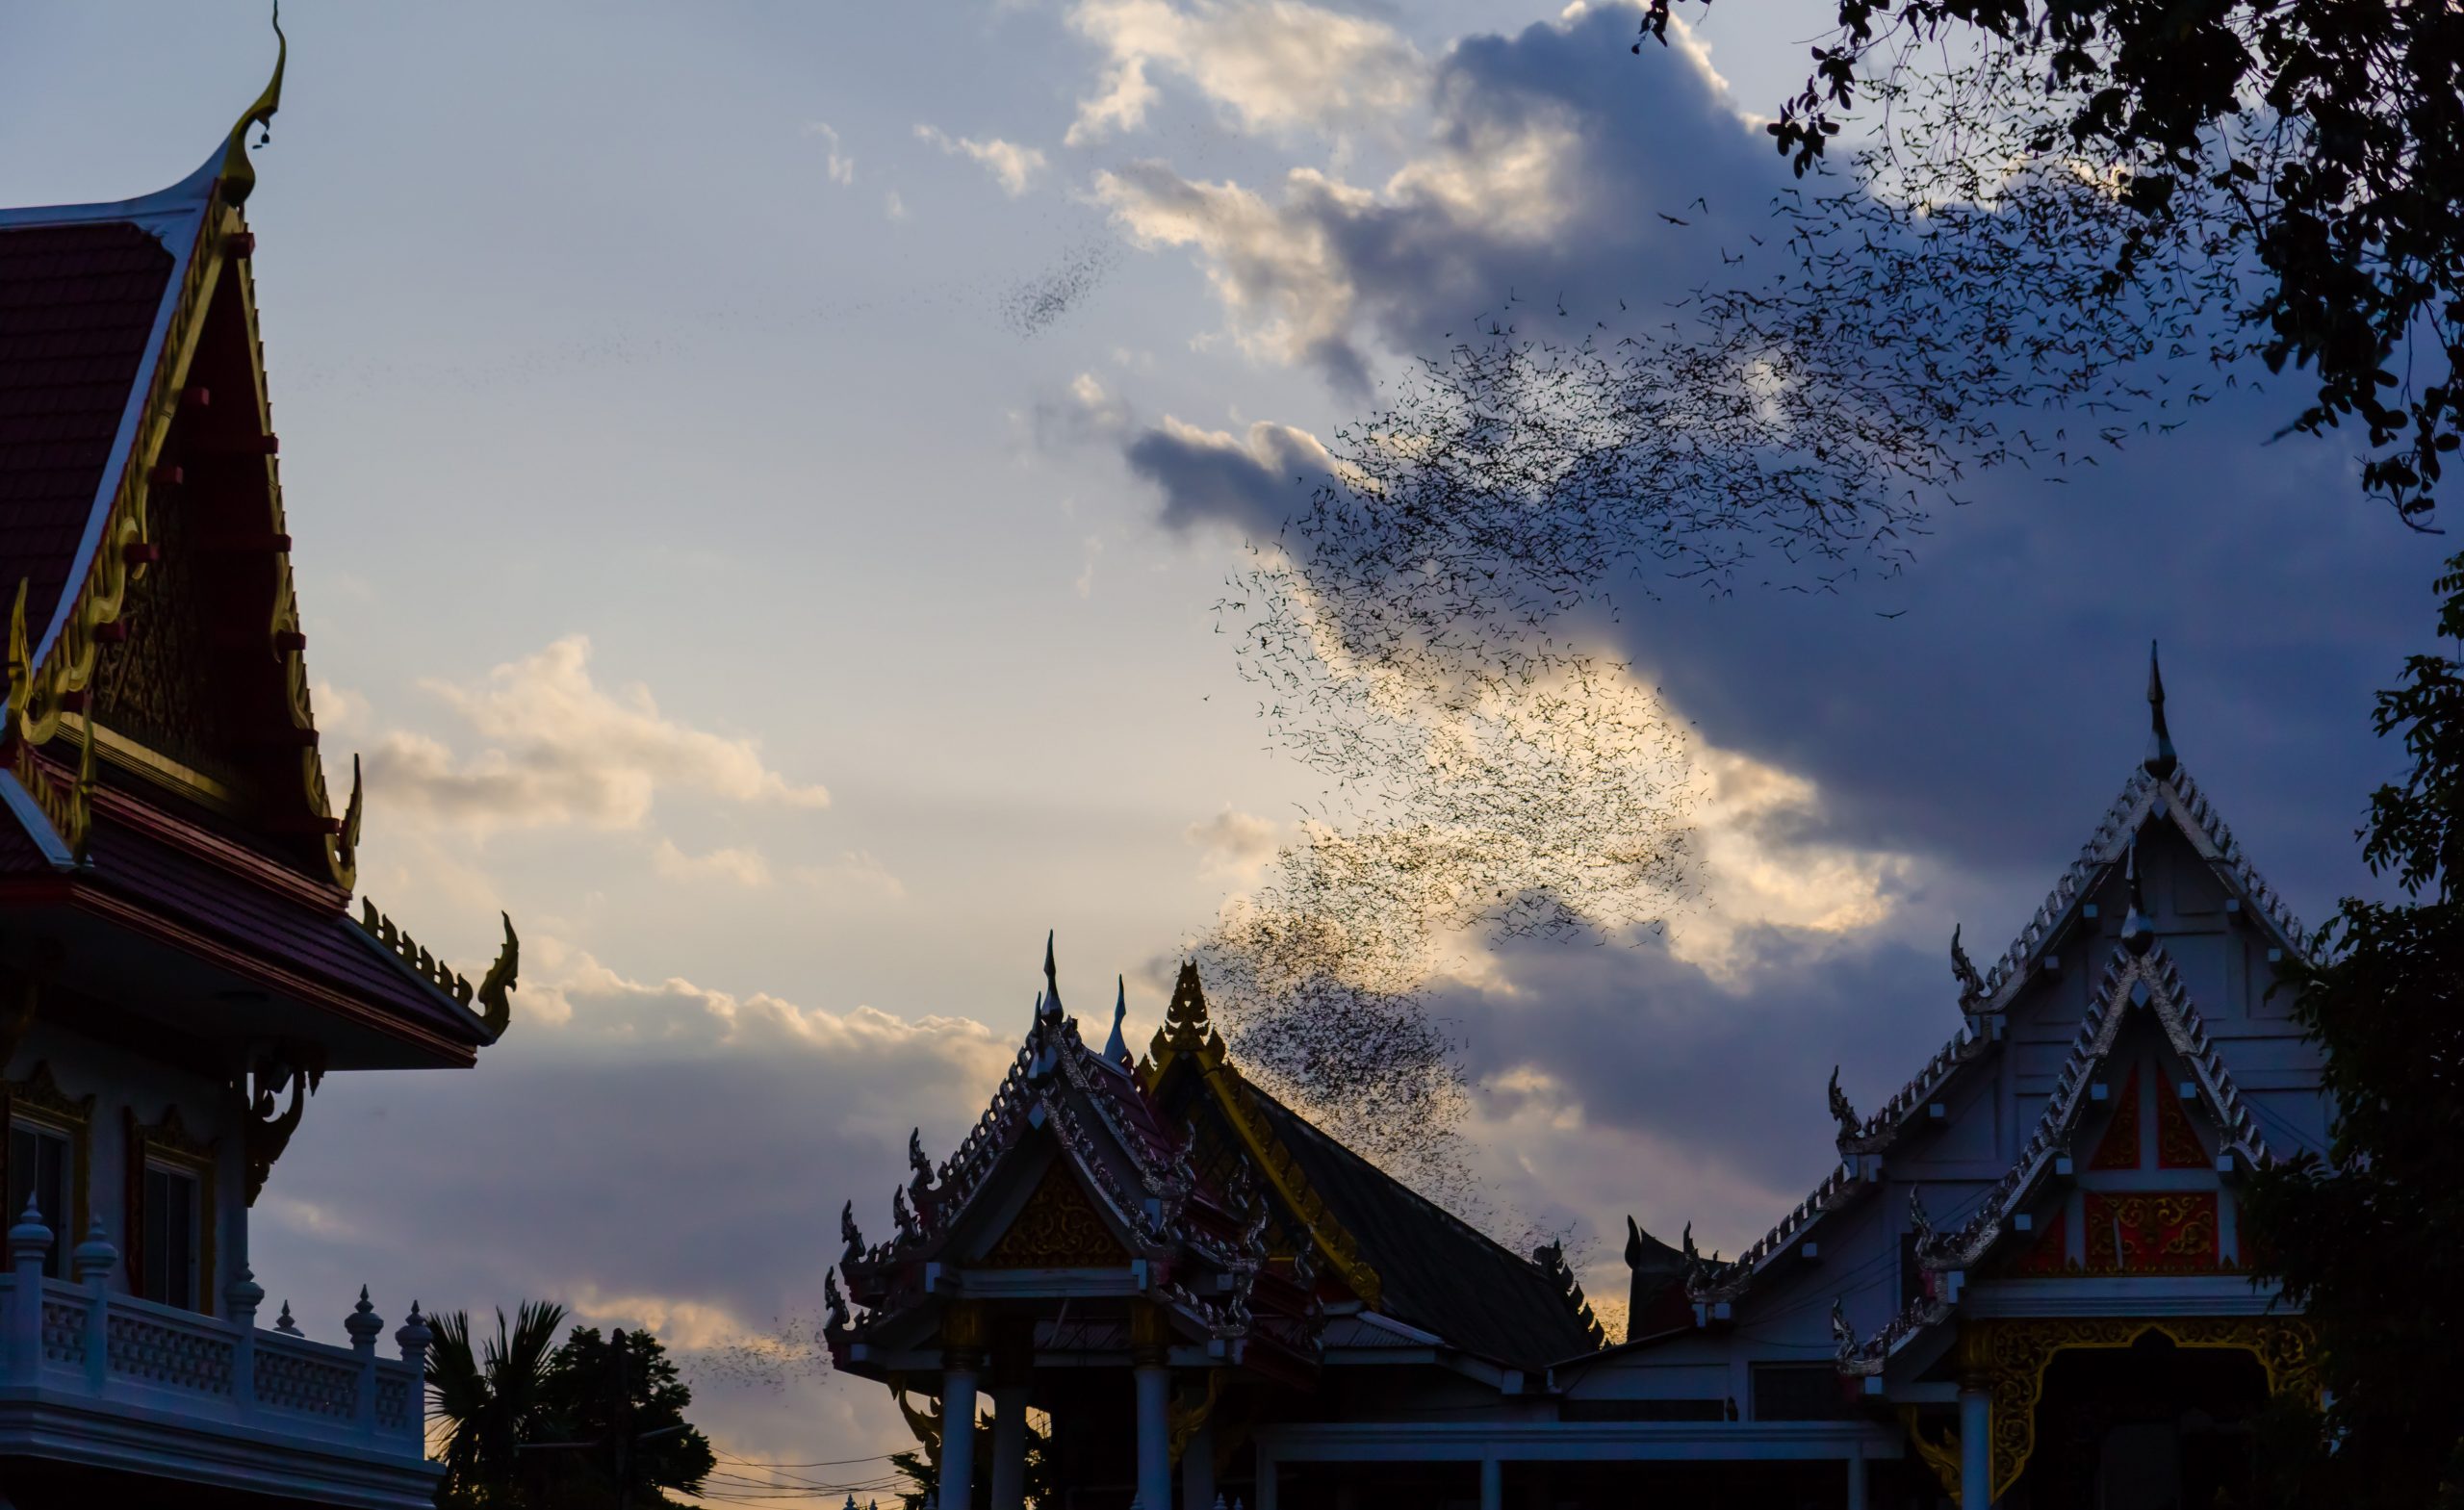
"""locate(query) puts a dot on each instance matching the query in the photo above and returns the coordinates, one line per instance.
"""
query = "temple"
(181, 962)
(2020, 1284)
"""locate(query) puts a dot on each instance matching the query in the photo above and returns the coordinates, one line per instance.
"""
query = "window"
(41, 1162)
(169, 1251)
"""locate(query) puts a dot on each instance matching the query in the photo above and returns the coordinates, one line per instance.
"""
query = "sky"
(763, 477)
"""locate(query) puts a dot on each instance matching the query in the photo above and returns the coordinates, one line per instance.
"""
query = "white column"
(958, 1436)
(1492, 1484)
(28, 1242)
(1857, 1480)
(1266, 1478)
(1197, 1471)
(1976, 1446)
(1009, 1446)
(1153, 1382)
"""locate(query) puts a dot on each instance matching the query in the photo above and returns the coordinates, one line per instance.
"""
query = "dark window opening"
(171, 1245)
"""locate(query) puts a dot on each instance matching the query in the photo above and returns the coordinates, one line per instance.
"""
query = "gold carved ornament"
(1187, 1033)
(1939, 1454)
(2170, 1232)
(1057, 1228)
(1189, 1418)
(2009, 1357)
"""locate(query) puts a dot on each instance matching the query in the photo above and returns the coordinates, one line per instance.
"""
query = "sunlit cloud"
(551, 745)
(1013, 167)
(1273, 65)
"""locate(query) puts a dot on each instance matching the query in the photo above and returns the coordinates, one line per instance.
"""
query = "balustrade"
(81, 1340)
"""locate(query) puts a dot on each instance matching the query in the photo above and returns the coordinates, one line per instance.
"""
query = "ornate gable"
(173, 626)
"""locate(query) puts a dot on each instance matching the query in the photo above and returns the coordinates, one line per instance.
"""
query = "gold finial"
(239, 174)
(352, 811)
(21, 672)
(497, 987)
(1185, 1024)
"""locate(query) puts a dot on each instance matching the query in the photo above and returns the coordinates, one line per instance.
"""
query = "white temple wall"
(121, 1081)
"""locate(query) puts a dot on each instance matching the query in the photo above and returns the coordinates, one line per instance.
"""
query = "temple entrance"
(2153, 1426)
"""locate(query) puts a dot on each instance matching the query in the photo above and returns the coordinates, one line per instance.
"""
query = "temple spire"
(1116, 1047)
(2161, 760)
(1050, 1010)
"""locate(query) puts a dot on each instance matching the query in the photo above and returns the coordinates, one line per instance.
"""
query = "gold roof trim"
(1188, 1034)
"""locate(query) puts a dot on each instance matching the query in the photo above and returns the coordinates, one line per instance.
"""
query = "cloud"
(577, 1164)
(1542, 175)
(555, 747)
(856, 875)
(741, 866)
(1012, 166)
(840, 168)
(1236, 844)
(1252, 483)
(1274, 65)
(893, 207)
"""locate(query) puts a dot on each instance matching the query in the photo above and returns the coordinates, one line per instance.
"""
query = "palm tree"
(487, 1402)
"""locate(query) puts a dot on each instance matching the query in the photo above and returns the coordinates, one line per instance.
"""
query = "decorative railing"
(85, 1340)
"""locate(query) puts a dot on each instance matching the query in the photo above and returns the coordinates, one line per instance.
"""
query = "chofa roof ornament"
(1972, 991)
(239, 174)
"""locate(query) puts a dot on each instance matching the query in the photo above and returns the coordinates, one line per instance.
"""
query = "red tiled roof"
(77, 306)
(329, 946)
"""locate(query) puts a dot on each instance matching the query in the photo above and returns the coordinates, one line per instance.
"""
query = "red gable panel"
(77, 305)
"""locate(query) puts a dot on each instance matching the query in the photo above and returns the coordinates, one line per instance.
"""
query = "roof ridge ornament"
(239, 174)
(2161, 760)
(2137, 932)
(1048, 1005)
(1972, 991)
(1841, 1111)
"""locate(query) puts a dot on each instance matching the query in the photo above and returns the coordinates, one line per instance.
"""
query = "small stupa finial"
(2161, 760)
(239, 174)
(1050, 1010)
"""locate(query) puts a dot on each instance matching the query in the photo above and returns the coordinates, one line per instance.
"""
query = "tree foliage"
(2365, 1241)
(526, 1423)
(2325, 137)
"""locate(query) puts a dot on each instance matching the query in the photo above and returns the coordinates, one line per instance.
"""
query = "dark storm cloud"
(1207, 478)
(1558, 176)
(1651, 1046)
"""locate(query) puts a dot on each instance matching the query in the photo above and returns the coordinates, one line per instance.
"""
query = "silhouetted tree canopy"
(2323, 138)
(2365, 1241)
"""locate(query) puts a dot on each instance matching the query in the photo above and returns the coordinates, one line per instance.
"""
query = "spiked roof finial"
(239, 174)
(1116, 1047)
(1185, 1024)
(1051, 1008)
(2161, 760)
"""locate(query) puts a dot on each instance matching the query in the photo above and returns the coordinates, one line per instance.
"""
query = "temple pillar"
(962, 1361)
(1012, 1365)
(1857, 1487)
(1976, 1445)
(1009, 1446)
(1492, 1484)
(1150, 1372)
(1197, 1470)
